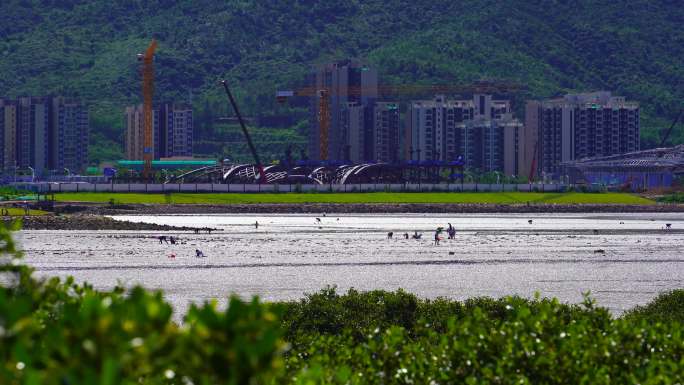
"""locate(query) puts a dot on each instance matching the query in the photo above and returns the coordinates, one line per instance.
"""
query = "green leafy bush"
(676, 197)
(667, 307)
(60, 332)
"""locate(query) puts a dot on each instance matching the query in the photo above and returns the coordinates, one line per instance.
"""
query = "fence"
(256, 188)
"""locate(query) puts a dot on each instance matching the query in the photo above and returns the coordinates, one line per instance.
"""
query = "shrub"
(676, 197)
(666, 307)
(60, 332)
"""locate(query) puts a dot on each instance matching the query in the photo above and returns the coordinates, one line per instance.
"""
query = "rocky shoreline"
(88, 222)
(365, 208)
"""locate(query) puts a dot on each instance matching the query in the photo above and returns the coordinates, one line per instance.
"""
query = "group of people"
(207, 229)
(171, 240)
(451, 233)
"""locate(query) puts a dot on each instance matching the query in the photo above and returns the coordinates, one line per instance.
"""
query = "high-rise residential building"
(434, 128)
(176, 130)
(172, 131)
(482, 130)
(69, 135)
(44, 133)
(578, 126)
(370, 133)
(353, 133)
(32, 133)
(8, 128)
(385, 132)
(344, 82)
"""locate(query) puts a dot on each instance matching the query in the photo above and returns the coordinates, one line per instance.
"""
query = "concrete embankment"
(355, 208)
(87, 222)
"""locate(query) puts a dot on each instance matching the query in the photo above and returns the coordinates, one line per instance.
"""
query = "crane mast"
(324, 121)
(148, 94)
(233, 103)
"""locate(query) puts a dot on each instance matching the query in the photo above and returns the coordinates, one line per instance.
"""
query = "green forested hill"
(87, 49)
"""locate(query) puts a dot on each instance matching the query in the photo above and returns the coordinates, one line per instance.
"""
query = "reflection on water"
(623, 259)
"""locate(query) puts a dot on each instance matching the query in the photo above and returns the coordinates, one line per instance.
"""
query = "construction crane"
(385, 91)
(669, 130)
(324, 121)
(257, 161)
(533, 166)
(148, 94)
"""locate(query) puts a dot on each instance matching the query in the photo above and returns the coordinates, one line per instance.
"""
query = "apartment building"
(578, 126)
(435, 128)
(172, 131)
(44, 133)
(70, 135)
(346, 81)
(8, 133)
(385, 132)
(354, 135)
(482, 130)
(33, 126)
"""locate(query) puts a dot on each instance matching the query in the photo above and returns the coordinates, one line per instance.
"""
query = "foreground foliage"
(58, 332)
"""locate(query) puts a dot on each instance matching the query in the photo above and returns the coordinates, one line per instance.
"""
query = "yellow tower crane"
(148, 94)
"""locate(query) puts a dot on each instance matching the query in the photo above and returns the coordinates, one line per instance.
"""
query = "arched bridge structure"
(310, 173)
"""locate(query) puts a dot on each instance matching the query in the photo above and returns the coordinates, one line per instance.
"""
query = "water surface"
(623, 259)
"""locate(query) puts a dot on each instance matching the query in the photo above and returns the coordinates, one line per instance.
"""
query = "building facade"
(353, 133)
(579, 126)
(435, 128)
(8, 125)
(44, 133)
(70, 135)
(481, 130)
(385, 132)
(344, 82)
(172, 131)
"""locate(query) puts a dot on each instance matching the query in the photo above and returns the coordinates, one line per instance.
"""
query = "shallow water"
(288, 255)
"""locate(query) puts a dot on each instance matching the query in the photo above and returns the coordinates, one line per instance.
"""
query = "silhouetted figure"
(406, 236)
(416, 235)
(162, 239)
(172, 240)
(390, 234)
(668, 226)
(199, 253)
(529, 221)
(451, 232)
(437, 238)
(256, 224)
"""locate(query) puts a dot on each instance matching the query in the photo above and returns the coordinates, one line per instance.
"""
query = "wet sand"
(628, 261)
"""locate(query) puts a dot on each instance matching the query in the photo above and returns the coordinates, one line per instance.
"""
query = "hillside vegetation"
(88, 49)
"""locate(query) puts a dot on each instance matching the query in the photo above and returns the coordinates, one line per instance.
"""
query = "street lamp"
(33, 173)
